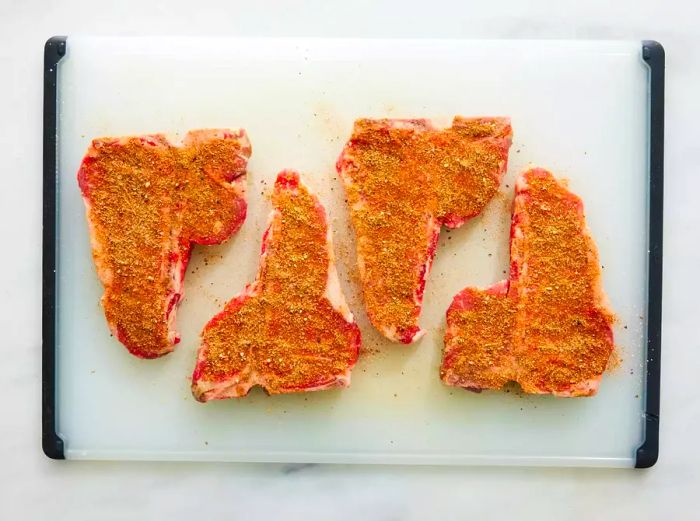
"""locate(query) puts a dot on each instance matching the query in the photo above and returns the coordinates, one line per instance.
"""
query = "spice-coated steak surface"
(147, 202)
(548, 327)
(290, 330)
(404, 180)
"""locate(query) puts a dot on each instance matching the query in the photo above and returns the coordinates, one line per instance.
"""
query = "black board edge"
(654, 55)
(51, 442)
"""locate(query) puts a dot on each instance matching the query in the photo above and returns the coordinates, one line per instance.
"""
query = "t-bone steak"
(405, 179)
(548, 327)
(147, 201)
(290, 330)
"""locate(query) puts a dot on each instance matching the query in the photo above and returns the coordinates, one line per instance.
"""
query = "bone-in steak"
(147, 201)
(404, 180)
(290, 330)
(548, 327)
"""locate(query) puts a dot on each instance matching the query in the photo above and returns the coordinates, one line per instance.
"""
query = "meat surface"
(147, 201)
(290, 330)
(405, 179)
(548, 327)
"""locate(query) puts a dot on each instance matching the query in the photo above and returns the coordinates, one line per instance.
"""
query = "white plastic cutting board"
(578, 108)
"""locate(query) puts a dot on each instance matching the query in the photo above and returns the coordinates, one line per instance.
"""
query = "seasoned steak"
(290, 330)
(548, 327)
(405, 179)
(147, 202)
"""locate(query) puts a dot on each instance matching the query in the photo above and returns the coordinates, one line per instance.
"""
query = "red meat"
(290, 330)
(404, 180)
(147, 201)
(548, 327)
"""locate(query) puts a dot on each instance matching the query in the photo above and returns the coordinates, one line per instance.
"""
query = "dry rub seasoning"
(404, 180)
(146, 202)
(547, 328)
(283, 332)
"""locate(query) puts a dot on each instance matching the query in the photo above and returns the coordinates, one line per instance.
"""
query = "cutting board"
(581, 109)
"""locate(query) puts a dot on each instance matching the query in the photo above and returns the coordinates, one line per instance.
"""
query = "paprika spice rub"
(548, 327)
(147, 201)
(405, 179)
(290, 330)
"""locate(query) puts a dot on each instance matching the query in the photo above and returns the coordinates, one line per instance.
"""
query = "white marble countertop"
(33, 487)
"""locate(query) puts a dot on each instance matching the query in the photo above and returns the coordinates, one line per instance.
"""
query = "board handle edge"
(654, 56)
(52, 444)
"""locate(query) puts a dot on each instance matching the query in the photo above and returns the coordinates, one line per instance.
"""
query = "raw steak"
(147, 201)
(404, 179)
(290, 330)
(548, 327)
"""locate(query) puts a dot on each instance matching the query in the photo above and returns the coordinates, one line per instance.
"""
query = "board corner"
(653, 52)
(52, 445)
(648, 452)
(54, 50)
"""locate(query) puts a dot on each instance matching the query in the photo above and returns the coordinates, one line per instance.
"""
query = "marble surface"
(33, 487)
